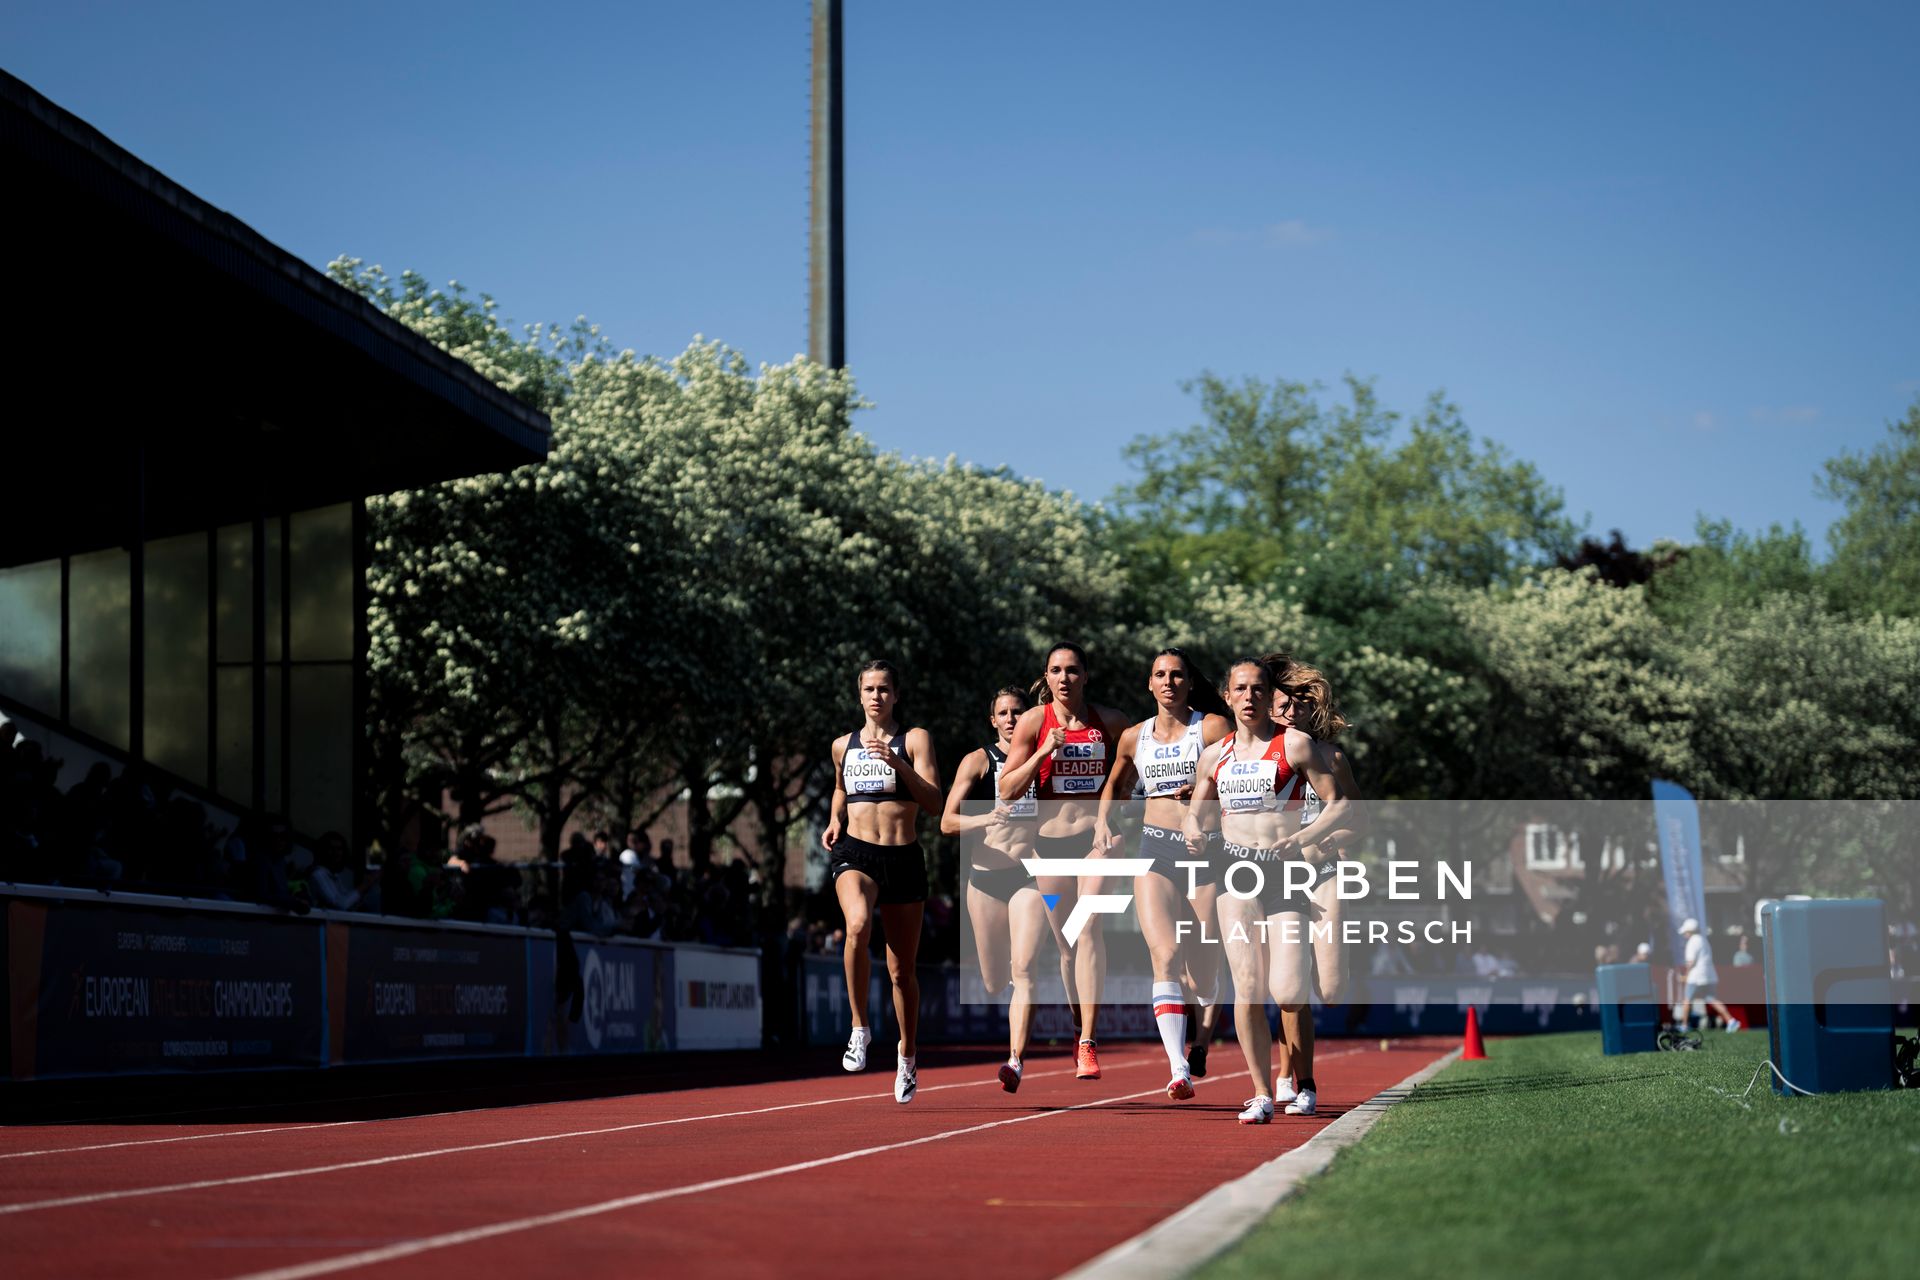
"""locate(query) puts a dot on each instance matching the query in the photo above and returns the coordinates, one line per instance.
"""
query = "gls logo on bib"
(1080, 767)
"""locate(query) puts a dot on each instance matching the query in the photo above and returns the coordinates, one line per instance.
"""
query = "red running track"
(816, 1177)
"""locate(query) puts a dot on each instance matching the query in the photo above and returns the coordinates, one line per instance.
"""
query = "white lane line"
(1179, 1244)
(191, 1137)
(97, 1197)
(407, 1248)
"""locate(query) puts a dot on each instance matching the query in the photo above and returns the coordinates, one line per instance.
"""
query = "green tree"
(1270, 475)
(1876, 545)
(1727, 568)
(510, 611)
(674, 601)
(1587, 697)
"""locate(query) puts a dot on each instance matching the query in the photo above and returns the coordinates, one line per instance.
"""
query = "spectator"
(1741, 956)
(257, 851)
(1702, 980)
(403, 876)
(640, 844)
(331, 883)
(591, 910)
(576, 867)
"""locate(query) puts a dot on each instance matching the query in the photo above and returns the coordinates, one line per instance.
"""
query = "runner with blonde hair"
(1303, 700)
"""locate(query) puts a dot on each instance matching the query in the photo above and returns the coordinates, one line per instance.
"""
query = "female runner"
(1003, 901)
(1253, 779)
(1164, 755)
(1303, 700)
(882, 778)
(1064, 747)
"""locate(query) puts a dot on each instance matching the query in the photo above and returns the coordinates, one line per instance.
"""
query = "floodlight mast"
(827, 242)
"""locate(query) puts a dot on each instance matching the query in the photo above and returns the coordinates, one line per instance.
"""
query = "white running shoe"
(1180, 1088)
(1259, 1111)
(1010, 1075)
(1302, 1104)
(1283, 1092)
(855, 1058)
(905, 1081)
(1733, 1025)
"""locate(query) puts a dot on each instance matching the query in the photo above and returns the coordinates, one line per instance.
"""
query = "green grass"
(1552, 1160)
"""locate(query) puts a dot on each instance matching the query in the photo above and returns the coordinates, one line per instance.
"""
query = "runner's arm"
(953, 822)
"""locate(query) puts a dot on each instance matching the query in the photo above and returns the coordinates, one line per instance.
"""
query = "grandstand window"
(100, 611)
(276, 797)
(233, 548)
(30, 634)
(175, 723)
(322, 579)
(233, 748)
(276, 649)
(322, 780)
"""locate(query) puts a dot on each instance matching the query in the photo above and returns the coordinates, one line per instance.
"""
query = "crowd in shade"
(113, 831)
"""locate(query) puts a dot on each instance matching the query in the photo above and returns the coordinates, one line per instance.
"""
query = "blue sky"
(1665, 251)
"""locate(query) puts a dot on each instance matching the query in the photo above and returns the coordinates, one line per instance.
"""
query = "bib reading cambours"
(1247, 786)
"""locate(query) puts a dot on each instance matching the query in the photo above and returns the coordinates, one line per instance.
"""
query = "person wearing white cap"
(1701, 979)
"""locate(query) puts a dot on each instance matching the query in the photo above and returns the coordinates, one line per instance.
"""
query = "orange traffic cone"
(1474, 1050)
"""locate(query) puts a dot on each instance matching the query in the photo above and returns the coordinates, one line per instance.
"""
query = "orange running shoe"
(1086, 1062)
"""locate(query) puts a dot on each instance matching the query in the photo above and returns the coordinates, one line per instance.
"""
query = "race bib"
(867, 774)
(1166, 771)
(1246, 786)
(1079, 768)
(1027, 806)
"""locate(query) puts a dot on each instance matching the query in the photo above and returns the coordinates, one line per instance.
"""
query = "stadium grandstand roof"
(151, 334)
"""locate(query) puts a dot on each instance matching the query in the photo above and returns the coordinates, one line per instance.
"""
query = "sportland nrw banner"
(1677, 818)
(716, 999)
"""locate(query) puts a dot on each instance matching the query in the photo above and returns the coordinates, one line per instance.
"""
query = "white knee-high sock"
(1170, 1015)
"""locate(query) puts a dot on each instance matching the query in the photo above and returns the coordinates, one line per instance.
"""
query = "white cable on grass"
(1765, 1066)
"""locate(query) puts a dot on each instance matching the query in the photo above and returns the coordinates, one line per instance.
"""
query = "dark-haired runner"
(1163, 754)
(1253, 778)
(1064, 747)
(882, 778)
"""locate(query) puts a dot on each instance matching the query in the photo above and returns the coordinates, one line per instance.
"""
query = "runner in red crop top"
(1255, 777)
(1065, 747)
(1264, 784)
(1081, 763)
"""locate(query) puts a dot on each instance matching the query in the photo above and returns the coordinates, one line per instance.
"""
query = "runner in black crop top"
(1005, 909)
(882, 779)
